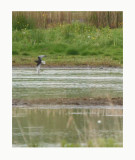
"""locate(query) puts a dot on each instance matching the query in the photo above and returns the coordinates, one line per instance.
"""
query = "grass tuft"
(72, 52)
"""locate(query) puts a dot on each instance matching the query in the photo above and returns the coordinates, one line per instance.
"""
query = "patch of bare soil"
(71, 101)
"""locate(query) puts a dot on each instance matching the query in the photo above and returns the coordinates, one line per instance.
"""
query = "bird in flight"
(39, 62)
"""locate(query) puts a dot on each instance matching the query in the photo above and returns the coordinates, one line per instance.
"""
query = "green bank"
(75, 44)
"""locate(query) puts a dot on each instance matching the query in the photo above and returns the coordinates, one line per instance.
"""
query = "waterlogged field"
(37, 124)
(67, 83)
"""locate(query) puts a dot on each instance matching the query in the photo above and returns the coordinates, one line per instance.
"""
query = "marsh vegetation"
(74, 44)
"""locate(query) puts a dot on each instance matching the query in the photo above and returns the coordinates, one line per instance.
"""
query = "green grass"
(69, 44)
(98, 142)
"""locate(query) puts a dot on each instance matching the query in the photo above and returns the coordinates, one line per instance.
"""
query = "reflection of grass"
(39, 127)
(74, 44)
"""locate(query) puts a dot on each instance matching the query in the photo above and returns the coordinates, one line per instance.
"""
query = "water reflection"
(44, 126)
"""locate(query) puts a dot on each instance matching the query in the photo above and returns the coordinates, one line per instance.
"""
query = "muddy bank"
(71, 101)
(65, 67)
(68, 66)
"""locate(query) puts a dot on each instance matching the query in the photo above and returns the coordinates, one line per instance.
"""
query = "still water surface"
(47, 126)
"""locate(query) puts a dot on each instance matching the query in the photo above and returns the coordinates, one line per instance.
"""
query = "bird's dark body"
(38, 61)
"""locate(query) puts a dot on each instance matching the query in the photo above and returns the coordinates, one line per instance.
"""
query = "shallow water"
(46, 126)
(66, 83)
(66, 125)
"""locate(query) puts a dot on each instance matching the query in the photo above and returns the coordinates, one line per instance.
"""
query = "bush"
(72, 52)
(85, 53)
(25, 54)
(93, 53)
(15, 52)
(59, 47)
(107, 54)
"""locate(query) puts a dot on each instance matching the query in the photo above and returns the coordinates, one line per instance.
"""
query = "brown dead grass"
(71, 101)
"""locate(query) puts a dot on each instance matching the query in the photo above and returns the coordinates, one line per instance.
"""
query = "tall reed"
(44, 19)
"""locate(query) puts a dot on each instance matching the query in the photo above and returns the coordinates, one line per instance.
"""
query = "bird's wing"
(41, 56)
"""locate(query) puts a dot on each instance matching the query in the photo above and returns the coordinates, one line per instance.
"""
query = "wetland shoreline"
(55, 79)
(65, 67)
(70, 101)
(62, 65)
